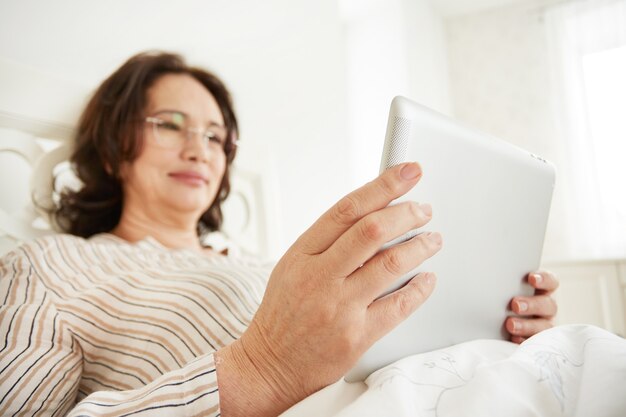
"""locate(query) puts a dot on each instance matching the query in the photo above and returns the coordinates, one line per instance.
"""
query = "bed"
(574, 370)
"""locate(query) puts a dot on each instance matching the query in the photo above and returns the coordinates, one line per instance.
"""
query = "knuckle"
(405, 303)
(415, 211)
(387, 185)
(345, 211)
(371, 229)
(327, 316)
(347, 344)
(428, 246)
(392, 263)
(421, 294)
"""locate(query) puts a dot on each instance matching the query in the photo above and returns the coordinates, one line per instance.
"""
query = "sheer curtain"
(586, 39)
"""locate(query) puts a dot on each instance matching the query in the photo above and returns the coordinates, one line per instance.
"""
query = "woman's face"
(179, 167)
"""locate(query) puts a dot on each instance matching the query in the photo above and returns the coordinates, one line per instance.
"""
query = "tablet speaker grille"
(399, 141)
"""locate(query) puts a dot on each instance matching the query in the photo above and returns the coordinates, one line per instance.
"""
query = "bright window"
(605, 91)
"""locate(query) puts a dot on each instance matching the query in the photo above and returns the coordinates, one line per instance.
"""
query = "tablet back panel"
(490, 202)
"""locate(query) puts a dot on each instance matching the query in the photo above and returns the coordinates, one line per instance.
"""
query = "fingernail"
(410, 171)
(522, 306)
(435, 238)
(516, 325)
(538, 278)
(426, 209)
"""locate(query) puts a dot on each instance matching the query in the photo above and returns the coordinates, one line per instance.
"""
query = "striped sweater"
(103, 327)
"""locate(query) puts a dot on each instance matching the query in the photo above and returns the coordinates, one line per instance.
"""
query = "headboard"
(35, 143)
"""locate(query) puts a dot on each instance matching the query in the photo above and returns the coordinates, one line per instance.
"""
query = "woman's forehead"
(182, 92)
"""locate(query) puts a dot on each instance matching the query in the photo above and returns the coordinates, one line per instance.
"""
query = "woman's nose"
(196, 147)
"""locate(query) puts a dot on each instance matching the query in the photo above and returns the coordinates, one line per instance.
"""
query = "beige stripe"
(216, 281)
(196, 296)
(19, 281)
(219, 287)
(40, 271)
(77, 274)
(140, 372)
(175, 306)
(196, 367)
(75, 270)
(216, 278)
(40, 328)
(156, 400)
(151, 319)
(134, 331)
(209, 411)
(123, 348)
(106, 380)
(248, 298)
(235, 288)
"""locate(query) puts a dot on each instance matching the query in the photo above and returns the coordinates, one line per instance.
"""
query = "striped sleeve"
(190, 391)
(41, 362)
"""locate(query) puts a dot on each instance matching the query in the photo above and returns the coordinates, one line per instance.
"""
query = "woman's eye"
(213, 138)
(171, 126)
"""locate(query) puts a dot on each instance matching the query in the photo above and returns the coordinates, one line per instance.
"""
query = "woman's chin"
(190, 205)
(188, 200)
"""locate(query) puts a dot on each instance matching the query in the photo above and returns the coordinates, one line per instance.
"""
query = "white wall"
(394, 47)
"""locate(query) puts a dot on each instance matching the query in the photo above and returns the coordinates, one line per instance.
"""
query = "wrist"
(248, 383)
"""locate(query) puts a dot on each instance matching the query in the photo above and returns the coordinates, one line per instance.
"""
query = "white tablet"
(490, 202)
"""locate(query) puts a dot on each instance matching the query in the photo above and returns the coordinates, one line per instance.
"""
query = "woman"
(130, 314)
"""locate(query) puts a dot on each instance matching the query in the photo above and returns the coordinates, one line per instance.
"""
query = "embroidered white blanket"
(574, 370)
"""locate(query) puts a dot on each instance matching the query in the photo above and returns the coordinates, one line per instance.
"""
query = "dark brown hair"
(110, 133)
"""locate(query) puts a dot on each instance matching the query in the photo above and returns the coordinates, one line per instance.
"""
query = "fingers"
(365, 238)
(377, 274)
(543, 281)
(537, 311)
(388, 311)
(524, 328)
(373, 196)
(538, 305)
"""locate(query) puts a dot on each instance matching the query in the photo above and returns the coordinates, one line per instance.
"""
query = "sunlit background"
(313, 80)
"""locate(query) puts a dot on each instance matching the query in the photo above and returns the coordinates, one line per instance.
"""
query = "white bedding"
(574, 370)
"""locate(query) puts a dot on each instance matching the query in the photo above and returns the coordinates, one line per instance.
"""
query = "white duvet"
(574, 370)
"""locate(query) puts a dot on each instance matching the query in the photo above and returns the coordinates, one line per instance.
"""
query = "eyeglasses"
(171, 130)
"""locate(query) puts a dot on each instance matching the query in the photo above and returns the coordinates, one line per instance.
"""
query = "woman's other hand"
(535, 313)
(321, 309)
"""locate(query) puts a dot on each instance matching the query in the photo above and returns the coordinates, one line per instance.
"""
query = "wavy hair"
(108, 135)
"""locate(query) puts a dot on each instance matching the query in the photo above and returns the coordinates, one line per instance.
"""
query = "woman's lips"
(189, 177)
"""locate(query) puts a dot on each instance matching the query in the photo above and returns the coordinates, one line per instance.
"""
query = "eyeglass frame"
(156, 122)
